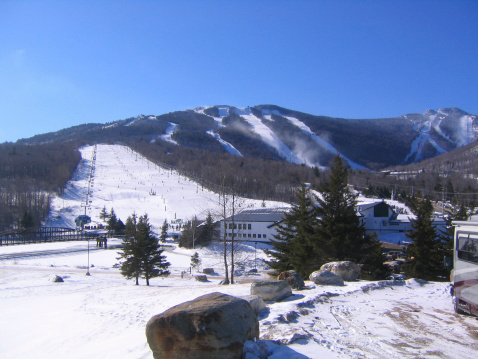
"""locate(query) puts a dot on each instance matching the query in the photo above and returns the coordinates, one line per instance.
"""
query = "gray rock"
(270, 290)
(349, 271)
(293, 278)
(256, 302)
(208, 270)
(200, 277)
(212, 326)
(57, 279)
(325, 277)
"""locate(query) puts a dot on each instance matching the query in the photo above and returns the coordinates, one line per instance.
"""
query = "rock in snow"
(293, 278)
(57, 279)
(271, 290)
(326, 277)
(212, 326)
(348, 271)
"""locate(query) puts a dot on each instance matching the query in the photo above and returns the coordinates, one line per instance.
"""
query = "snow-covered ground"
(104, 315)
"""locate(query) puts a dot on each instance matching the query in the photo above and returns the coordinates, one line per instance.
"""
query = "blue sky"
(64, 63)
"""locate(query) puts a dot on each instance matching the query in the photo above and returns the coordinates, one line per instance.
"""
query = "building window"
(254, 235)
(264, 236)
(249, 226)
(230, 225)
(248, 235)
(240, 226)
(259, 236)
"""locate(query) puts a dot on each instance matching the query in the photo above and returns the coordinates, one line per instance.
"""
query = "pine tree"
(339, 231)
(141, 254)
(427, 252)
(27, 220)
(186, 237)
(112, 220)
(131, 264)
(195, 261)
(119, 227)
(293, 242)
(206, 231)
(164, 231)
(153, 263)
(103, 215)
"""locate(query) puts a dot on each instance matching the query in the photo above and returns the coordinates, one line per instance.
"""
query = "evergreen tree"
(141, 254)
(206, 231)
(131, 264)
(186, 237)
(189, 234)
(153, 263)
(427, 252)
(164, 231)
(195, 261)
(27, 220)
(103, 215)
(293, 242)
(112, 221)
(339, 231)
(119, 227)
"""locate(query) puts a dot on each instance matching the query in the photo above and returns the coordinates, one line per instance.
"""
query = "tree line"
(29, 174)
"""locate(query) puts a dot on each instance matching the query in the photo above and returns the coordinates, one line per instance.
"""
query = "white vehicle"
(464, 276)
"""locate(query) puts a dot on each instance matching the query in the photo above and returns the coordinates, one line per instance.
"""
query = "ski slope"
(114, 176)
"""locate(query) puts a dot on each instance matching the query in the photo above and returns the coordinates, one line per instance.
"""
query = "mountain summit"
(276, 133)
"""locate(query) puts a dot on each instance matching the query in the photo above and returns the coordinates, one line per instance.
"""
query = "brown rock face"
(293, 278)
(212, 326)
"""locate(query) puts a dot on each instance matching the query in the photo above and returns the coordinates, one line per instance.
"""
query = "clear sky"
(64, 63)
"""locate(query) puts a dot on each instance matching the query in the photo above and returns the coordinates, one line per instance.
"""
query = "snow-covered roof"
(260, 215)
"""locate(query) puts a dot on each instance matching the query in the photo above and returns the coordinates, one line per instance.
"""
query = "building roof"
(270, 215)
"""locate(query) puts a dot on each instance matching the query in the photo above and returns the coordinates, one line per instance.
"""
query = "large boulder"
(324, 277)
(212, 326)
(271, 290)
(348, 271)
(256, 302)
(293, 278)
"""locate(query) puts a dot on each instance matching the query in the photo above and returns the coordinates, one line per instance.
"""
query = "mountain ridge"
(276, 133)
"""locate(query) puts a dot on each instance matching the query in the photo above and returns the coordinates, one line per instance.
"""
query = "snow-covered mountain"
(273, 132)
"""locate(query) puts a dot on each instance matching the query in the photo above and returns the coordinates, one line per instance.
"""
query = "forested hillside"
(28, 175)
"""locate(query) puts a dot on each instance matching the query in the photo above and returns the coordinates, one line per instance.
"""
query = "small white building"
(381, 218)
(253, 225)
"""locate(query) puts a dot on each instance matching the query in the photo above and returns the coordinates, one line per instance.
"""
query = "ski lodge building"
(260, 225)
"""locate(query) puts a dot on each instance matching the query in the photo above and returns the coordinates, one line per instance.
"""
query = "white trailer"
(464, 276)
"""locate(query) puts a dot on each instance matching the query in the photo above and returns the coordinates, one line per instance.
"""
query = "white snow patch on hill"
(268, 136)
(466, 133)
(320, 141)
(229, 147)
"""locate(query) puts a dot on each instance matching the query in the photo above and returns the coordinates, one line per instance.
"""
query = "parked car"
(397, 277)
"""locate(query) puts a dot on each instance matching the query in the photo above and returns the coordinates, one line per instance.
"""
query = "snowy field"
(104, 315)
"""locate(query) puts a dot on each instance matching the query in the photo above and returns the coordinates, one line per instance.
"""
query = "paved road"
(47, 252)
